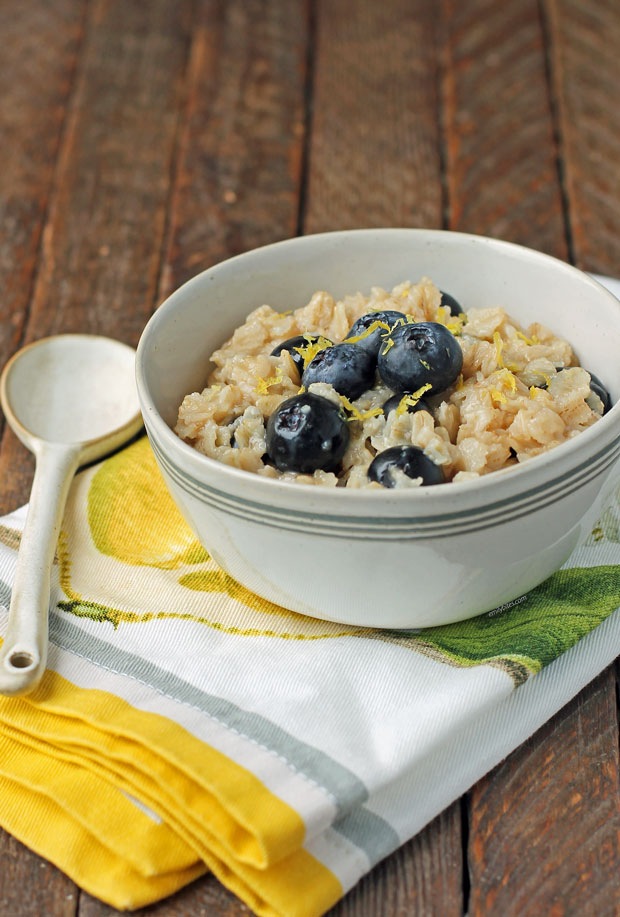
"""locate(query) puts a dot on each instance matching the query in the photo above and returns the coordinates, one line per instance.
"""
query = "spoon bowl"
(70, 399)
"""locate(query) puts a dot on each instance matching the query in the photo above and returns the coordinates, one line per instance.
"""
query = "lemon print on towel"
(127, 555)
(133, 518)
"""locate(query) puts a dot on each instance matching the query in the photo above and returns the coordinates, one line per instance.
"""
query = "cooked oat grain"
(494, 416)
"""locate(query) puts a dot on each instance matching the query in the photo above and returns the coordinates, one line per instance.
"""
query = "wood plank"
(546, 823)
(30, 886)
(374, 160)
(237, 177)
(501, 156)
(374, 155)
(40, 44)
(100, 259)
(102, 243)
(585, 58)
(238, 170)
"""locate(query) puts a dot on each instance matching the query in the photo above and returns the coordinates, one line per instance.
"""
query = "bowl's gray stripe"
(346, 788)
(387, 521)
(417, 527)
(402, 531)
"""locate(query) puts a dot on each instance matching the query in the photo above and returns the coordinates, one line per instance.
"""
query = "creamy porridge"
(399, 389)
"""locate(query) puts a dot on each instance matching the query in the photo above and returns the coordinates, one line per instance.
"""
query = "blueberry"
(419, 354)
(599, 389)
(293, 345)
(347, 367)
(411, 460)
(392, 403)
(451, 303)
(372, 342)
(306, 433)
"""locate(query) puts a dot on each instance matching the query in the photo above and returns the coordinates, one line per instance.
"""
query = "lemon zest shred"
(372, 327)
(309, 351)
(529, 341)
(425, 364)
(356, 414)
(545, 377)
(283, 314)
(459, 382)
(497, 340)
(411, 400)
(373, 412)
(534, 391)
(454, 323)
(506, 377)
(410, 319)
(498, 396)
(388, 346)
(302, 389)
(263, 385)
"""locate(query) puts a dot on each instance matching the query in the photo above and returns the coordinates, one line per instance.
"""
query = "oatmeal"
(396, 389)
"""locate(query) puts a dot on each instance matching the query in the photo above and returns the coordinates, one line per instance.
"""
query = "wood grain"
(374, 159)
(99, 264)
(374, 154)
(585, 58)
(40, 44)
(40, 47)
(546, 823)
(237, 176)
(501, 155)
(198, 132)
(103, 239)
(238, 167)
(30, 886)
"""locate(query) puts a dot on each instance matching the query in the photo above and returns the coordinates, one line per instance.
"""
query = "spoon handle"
(24, 652)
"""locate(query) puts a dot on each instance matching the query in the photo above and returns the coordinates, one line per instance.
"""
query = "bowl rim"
(410, 499)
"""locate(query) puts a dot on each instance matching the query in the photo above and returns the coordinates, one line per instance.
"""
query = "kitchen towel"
(185, 724)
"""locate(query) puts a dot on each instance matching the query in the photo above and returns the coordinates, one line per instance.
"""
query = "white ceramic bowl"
(390, 558)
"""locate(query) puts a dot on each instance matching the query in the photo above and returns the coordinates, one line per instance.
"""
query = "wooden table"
(143, 142)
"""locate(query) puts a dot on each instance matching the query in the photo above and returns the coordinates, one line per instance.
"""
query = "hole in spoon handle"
(21, 660)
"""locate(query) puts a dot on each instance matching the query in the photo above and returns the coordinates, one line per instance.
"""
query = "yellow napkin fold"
(72, 760)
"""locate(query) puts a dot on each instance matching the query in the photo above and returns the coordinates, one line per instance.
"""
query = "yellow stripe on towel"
(213, 808)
